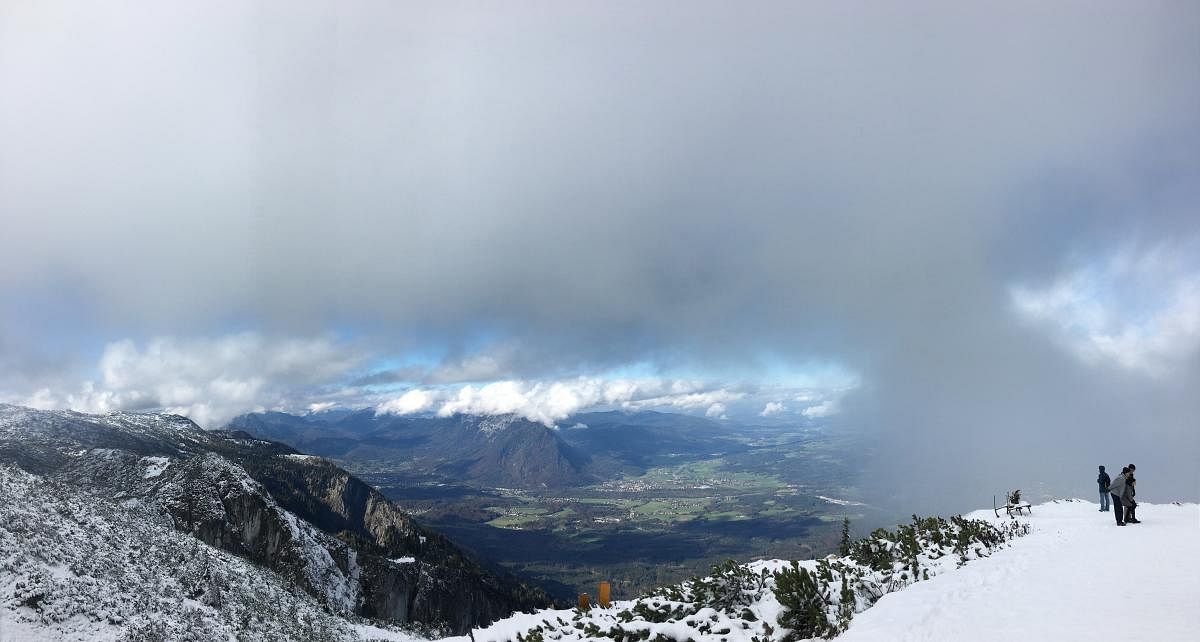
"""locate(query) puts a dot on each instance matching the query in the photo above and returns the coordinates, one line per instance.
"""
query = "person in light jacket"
(1117, 489)
(1104, 480)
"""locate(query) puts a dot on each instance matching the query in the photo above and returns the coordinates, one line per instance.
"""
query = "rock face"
(317, 526)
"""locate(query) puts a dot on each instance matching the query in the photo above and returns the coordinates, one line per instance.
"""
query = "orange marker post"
(583, 602)
(602, 597)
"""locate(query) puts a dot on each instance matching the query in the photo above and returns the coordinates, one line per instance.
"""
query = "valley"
(659, 497)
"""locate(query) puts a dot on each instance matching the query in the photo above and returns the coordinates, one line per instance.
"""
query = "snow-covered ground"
(1077, 576)
(74, 568)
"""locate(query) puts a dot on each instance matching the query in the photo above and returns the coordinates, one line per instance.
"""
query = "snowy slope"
(1074, 576)
(75, 568)
(1077, 576)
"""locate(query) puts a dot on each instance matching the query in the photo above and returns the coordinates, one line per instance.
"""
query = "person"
(1104, 480)
(1116, 489)
(1131, 503)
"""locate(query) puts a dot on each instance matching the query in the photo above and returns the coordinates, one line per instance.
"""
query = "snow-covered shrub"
(805, 601)
(821, 602)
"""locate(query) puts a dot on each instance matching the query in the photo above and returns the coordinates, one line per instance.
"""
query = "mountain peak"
(492, 424)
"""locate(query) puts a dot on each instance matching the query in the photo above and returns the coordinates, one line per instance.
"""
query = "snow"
(341, 592)
(494, 424)
(403, 560)
(77, 568)
(154, 466)
(372, 633)
(1077, 576)
(302, 457)
(79, 562)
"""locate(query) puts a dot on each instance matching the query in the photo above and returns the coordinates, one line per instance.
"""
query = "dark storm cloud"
(595, 185)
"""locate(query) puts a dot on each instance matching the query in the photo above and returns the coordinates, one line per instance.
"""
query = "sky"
(968, 229)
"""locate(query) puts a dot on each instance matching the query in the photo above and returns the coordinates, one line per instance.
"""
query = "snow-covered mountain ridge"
(1051, 576)
(317, 527)
(74, 567)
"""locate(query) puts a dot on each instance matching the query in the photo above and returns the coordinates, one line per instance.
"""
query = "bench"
(1012, 505)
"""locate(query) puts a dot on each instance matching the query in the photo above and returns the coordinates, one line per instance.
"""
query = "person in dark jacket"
(1117, 489)
(1104, 480)
(1130, 503)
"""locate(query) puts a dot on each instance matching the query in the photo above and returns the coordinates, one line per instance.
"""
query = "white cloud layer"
(212, 380)
(551, 401)
(408, 403)
(209, 380)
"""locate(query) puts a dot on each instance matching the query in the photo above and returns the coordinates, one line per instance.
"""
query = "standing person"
(1104, 480)
(1130, 492)
(1116, 489)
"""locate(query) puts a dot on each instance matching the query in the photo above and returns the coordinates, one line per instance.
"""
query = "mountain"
(77, 565)
(975, 577)
(504, 451)
(499, 451)
(636, 441)
(319, 528)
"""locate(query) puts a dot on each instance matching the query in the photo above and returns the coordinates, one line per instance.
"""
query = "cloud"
(450, 222)
(209, 380)
(390, 376)
(772, 408)
(582, 189)
(549, 402)
(823, 409)
(42, 399)
(412, 401)
(1138, 310)
(493, 364)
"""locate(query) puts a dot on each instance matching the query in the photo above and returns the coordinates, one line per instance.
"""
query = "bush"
(804, 601)
(876, 565)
